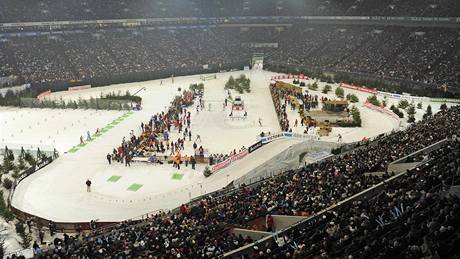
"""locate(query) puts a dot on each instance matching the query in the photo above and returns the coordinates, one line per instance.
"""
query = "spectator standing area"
(58, 192)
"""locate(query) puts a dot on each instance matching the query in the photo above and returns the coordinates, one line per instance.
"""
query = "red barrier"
(228, 161)
(359, 88)
(221, 165)
(81, 87)
(45, 93)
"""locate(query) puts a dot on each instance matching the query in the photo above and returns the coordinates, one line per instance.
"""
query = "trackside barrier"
(406, 96)
(366, 194)
(229, 161)
(389, 95)
(359, 88)
(286, 135)
(77, 88)
(382, 110)
(43, 94)
(444, 100)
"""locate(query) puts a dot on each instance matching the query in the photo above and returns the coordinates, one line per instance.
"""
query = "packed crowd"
(155, 141)
(416, 216)
(200, 230)
(280, 109)
(52, 10)
(284, 96)
(85, 56)
(424, 55)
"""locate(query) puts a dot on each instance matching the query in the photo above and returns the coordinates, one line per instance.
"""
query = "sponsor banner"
(390, 95)
(444, 100)
(415, 98)
(255, 146)
(45, 93)
(229, 161)
(239, 156)
(404, 96)
(221, 165)
(81, 87)
(285, 134)
(382, 110)
(359, 88)
(299, 135)
(290, 76)
(270, 138)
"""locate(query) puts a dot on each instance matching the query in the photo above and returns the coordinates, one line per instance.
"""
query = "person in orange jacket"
(177, 160)
(186, 159)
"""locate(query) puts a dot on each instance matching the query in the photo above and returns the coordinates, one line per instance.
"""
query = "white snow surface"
(58, 191)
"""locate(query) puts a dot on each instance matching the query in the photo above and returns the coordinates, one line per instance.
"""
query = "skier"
(339, 138)
(88, 185)
(109, 158)
(260, 122)
(88, 136)
(198, 137)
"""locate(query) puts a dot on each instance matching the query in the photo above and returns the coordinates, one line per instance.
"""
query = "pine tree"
(339, 92)
(410, 112)
(26, 238)
(207, 172)
(7, 164)
(428, 112)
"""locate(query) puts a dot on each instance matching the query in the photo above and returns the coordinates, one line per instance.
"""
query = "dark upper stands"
(59, 10)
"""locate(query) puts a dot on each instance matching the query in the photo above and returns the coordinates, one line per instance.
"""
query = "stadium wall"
(137, 77)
